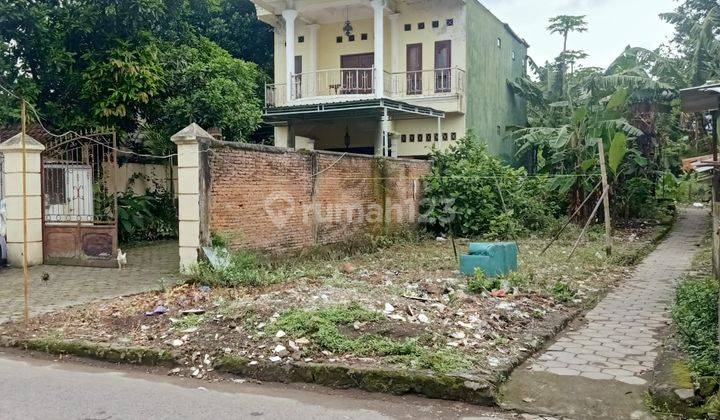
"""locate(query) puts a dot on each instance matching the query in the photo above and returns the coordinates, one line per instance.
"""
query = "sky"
(612, 25)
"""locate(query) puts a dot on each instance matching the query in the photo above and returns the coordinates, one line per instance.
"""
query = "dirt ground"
(404, 306)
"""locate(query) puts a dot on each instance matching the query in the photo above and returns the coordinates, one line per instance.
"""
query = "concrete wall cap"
(190, 134)
(14, 143)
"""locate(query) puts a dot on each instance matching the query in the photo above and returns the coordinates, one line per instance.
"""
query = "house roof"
(363, 108)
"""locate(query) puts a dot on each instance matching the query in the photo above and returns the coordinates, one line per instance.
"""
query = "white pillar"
(188, 191)
(312, 65)
(16, 206)
(439, 128)
(385, 126)
(289, 15)
(378, 16)
(379, 138)
(395, 42)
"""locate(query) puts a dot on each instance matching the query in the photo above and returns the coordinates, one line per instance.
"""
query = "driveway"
(149, 267)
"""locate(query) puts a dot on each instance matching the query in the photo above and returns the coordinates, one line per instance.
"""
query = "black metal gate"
(79, 178)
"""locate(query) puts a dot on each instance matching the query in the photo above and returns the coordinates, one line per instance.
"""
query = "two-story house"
(391, 77)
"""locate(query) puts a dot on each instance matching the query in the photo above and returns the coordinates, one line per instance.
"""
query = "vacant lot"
(400, 306)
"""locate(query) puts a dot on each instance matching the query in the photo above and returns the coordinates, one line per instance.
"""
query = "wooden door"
(413, 69)
(442, 66)
(356, 73)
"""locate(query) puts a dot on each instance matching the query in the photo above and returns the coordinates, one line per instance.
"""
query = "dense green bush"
(470, 192)
(696, 317)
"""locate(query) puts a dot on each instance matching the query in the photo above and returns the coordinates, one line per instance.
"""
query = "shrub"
(469, 192)
(563, 292)
(481, 282)
(243, 269)
(695, 315)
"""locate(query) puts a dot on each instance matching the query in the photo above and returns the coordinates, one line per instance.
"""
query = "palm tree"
(564, 24)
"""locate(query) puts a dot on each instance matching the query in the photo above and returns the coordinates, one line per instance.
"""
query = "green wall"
(490, 103)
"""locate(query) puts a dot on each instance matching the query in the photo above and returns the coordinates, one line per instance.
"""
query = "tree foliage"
(129, 63)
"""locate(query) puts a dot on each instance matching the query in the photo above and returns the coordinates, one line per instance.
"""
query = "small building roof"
(701, 98)
(363, 108)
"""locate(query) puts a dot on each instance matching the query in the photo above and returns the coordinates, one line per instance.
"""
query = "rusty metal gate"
(79, 175)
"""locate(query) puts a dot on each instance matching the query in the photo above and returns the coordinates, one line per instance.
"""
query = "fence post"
(13, 175)
(188, 142)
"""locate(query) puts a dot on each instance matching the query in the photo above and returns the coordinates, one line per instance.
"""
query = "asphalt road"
(46, 389)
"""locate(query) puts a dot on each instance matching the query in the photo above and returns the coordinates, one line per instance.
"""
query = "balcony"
(357, 83)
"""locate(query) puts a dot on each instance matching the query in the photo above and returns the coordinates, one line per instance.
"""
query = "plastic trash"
(219, 258)
(159, 310)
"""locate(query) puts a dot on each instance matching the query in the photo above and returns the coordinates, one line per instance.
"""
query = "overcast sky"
(612, 24)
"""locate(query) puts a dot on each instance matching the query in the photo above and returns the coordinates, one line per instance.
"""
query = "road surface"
(46, 389)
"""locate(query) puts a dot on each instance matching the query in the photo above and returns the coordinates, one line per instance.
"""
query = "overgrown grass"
(247, 268)
(695, 315)
(189, 321)
(323, 327)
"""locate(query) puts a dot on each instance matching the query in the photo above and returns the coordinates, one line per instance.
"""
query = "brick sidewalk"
(68, 286)
(591, 369)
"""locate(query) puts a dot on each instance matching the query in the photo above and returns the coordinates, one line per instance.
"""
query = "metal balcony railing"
(360, 81)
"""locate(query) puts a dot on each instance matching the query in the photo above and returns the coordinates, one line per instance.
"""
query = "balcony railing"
(326, 84)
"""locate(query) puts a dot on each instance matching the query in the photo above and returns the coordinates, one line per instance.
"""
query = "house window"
(499, 130)
(435, 23)
(338, 39)
(436, 136)
(351, 38)
(428, 137)
(412, 138)
(420, 137)
(421, 25)
(403, 138)
(444, 136)
(499, 42)
(363, 37)
(449, 22)
(408, 27)
(513, 56)
(301, 39)
(453, 136)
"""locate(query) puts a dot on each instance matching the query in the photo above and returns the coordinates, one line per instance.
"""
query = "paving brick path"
(69, 286)
(617, 346)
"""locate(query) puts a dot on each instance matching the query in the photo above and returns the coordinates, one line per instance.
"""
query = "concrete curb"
(108, 353)
(459, 387)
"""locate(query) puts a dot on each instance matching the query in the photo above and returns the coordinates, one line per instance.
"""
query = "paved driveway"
(148, 266)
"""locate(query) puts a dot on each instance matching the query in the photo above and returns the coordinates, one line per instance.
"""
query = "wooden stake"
(26, 282)
(587, 224)
(606, 199)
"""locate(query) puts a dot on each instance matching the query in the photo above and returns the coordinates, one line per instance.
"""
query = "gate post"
(188, 142)
(13, 173)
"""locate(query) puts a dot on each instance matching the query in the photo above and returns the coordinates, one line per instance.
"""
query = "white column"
(385, 132)
(289, 15)
(439, 128)
(17, 206)
(188, 142)
(395, 42)
(312, 60)
(378, 15)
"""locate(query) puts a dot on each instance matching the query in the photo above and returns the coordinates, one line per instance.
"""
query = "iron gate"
(79, 174)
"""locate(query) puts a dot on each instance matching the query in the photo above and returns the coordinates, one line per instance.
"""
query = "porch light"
(347, 138)
(347, 28)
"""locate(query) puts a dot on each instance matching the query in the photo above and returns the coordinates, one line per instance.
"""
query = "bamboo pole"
(26, 279)
(587, 224)
(606, 199)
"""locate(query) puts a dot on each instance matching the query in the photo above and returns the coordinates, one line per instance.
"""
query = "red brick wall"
(266, 198)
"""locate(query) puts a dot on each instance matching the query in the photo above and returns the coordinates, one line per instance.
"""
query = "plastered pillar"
(13, 175)
(188, 144)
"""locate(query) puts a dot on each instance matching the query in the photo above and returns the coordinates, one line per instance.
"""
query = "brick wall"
(266, 198)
